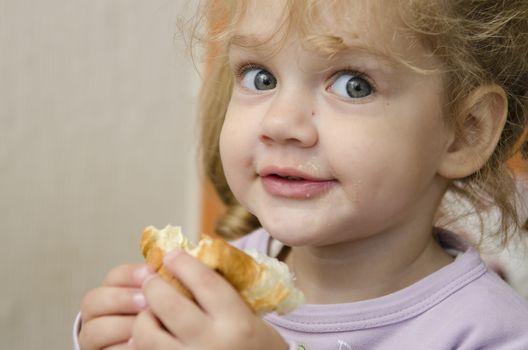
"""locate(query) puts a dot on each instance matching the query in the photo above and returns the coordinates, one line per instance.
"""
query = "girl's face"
(325, 150)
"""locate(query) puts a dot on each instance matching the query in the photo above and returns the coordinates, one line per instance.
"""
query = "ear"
(481, 118)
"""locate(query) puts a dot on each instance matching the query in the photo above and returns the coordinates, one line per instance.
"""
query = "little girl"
(333, 130)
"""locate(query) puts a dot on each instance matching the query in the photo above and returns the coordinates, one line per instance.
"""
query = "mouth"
(289, 174)
(294, 184)
(288, 177)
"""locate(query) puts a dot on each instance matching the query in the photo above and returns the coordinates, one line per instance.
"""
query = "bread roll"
(264, 283)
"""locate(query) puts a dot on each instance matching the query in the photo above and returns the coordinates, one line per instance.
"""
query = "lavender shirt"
(462, 306)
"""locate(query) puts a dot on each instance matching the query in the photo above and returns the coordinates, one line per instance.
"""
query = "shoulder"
(487, 313)
(486, 291)
(491, 296)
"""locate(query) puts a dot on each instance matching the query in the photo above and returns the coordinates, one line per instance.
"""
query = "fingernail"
(172, 255)
(147, 279)
(142, 273)
(139, 300)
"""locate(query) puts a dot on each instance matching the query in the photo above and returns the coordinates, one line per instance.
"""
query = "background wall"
(97, 141)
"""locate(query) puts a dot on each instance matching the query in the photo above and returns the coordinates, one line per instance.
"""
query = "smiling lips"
(293, 184)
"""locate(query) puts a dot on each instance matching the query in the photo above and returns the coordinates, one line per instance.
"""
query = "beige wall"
(96, 141)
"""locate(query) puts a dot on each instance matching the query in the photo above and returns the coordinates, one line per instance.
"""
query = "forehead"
(357, 20)
(329, 26)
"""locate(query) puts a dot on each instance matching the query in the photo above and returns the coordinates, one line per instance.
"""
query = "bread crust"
(154, 255)
(241, 270)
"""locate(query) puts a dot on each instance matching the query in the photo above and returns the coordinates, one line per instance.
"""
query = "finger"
(212, 292)
(105, 301)
(132, 275)
(178, 314)
(122, 346)
(149, 334)
(106, 331)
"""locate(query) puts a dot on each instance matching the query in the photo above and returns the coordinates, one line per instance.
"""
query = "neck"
(367, 268)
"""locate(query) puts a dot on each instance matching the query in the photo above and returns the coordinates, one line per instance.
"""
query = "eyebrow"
(249, 40)
(324, 44)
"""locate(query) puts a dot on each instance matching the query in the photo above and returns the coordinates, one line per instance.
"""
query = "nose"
(290, 119)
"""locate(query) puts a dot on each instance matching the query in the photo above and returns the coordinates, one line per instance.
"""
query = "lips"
(293, 184)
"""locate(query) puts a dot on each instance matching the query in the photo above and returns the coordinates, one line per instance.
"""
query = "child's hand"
(108, 312)
(219, 320)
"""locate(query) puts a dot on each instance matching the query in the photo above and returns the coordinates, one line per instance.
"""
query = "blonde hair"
(478, 42)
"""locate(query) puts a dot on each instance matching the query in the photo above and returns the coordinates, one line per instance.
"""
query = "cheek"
(229, 161)
(228, 153)
(372, 163)
(234, 141)
(224, 147)
(236, 154)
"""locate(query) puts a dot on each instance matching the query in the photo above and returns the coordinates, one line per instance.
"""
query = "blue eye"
(257, 79)
(351, 86)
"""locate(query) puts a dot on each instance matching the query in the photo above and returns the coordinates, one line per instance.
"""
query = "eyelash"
(240, 69)
(352, 71)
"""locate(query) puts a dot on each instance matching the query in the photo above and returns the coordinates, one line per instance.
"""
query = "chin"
(291, 234)
(299, 227)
